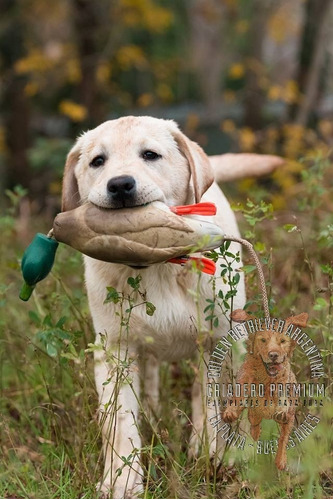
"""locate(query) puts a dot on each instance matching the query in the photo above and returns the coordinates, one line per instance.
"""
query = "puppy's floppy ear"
(299, 320)
(70, 190)
(200, 167)
(239, 315)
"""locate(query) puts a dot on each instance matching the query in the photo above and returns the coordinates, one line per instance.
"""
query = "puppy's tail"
(230, 167)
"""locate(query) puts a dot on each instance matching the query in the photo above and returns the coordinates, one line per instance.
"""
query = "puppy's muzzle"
(121, 191)
(273, 356)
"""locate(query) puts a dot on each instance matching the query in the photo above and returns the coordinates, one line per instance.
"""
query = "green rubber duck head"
(37, 262)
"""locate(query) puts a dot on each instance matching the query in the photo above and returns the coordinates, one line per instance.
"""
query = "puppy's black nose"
(273, 355)
(121, 187)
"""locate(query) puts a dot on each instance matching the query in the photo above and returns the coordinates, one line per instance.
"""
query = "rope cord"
(262, 282)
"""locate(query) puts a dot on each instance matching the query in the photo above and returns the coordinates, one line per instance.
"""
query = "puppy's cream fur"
(182, 175)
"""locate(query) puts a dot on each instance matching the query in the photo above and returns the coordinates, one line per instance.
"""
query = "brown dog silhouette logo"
(267, 366)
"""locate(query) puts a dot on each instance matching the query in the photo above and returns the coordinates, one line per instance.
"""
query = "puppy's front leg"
(117, 381)
(285, 430)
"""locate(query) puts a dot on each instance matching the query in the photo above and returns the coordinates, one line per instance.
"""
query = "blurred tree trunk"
(14, 101)
(254, 96)
(311, 58)
(206, 19)
(87, 23)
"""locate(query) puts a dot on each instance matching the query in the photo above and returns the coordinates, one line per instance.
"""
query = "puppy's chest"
(162, 314)
(171, 332)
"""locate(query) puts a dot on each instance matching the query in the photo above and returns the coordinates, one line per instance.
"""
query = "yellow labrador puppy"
(126, 163)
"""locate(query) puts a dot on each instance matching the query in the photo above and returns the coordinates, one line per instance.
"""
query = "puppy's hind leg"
(149, 368)
(203, 434)
(281, 455)
(255, 422)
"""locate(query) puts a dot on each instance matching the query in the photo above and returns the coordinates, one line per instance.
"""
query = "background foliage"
(238, 75)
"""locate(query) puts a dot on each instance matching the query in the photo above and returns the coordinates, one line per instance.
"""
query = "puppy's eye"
(263, 340)
(150, 155)
(98, 161)
(283, 341)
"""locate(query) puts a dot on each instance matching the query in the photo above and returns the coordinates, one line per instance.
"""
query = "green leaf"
(134, 282)
(260, 246)
(150, 308)
(290, 228)
(229, 254)
(48, 320)
(159, 450)
(236, 279)
(51, 350)
(69, 355)
(248, 268)
(34, 317)
(112, 295)
(320, 304)
(153, 472)
(209, 308)
(61, 322)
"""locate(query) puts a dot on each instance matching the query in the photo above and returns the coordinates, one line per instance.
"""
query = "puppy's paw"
(281, 417)
(124, 487)
(230, 415)
(198, 443)
(103, 490)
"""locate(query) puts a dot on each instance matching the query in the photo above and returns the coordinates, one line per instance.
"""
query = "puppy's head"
(133, 161)
(272, 349)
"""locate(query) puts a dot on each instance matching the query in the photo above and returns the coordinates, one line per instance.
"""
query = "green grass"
(50, 442)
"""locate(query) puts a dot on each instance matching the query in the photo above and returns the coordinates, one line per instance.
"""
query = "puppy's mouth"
(273, 368)
(124, 204)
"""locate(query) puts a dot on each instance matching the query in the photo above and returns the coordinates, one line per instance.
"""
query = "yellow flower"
(279, 201)
(103, 73)
(274, 93)
(282, 24)
(247, 139)
(145, 13)
(145, 100)
(76, 112)
(237, 71)
(291, 92)
(73, 71)
(164, 92)
(245, 185)
(129, 56)
(326, 128)
(36, 62)
(31, 89)
(228, 126)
